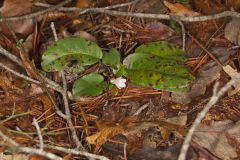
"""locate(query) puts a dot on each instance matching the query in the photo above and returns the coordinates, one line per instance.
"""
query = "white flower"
(119, 82)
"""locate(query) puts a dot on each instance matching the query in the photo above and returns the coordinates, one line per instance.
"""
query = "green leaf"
(159, 65)
(56, 57)
(89, 85)
(112, 58)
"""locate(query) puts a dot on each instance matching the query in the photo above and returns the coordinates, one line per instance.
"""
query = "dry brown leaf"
(214, 138)
(17, 8)
(104, 134)
(154, 31)
(232, 31)
(178, 120)
(179, 9)
(232, 72)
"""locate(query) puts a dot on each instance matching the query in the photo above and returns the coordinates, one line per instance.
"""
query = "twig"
(68, 114)
(141, 109)
(10, 56)
(65, 101)
(41, 144)
(59, 89)
(166, 16)
(14, 116)
(77, 152)
(153, 16)
(54, 31)
(216, 96)
(31, 15)
(28, 149)
(81, 10)
(183, 33)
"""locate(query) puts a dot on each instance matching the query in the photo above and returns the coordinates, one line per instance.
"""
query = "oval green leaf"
(56, 57)
(111, 58)
(89, 85)
(159, 65)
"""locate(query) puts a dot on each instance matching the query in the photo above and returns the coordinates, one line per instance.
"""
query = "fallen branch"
(107, 10)
(77, 152)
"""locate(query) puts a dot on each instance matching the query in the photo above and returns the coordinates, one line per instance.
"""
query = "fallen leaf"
(232, 31)
(178, 120)
(17, 8)
(179, 9)
(154, 31)
(103, 135)
(214, 138)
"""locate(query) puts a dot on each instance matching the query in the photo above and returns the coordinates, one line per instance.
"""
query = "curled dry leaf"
(179, 9)
(17, 8)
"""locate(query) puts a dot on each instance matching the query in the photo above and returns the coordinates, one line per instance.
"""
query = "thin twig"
(85, 10)
(41, 144)
(216, 96)
(68, 114)
(28, 149)
(183, 33)
(154, 16)
(10, 56)
(59, 89)
(54, 31)
(77, 152)
(141, 109)
(35, 14)
(65, 101)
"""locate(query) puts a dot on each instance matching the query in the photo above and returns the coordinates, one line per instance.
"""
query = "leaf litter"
(109, 118)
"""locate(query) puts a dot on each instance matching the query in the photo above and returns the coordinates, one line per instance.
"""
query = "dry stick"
(31, 15)
(166, 16)
(41, 144)
(77, 152)
(216, 96)
(27, 78)
(183, 33)
(81, 10)
(156, 16)
(68, 114)
(10, 56)
(65, 100)
(28, 149)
